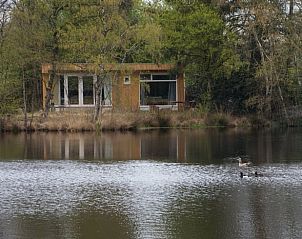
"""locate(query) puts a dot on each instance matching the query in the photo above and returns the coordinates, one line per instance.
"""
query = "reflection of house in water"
(157, 145)
(76, 146)
(107, 146)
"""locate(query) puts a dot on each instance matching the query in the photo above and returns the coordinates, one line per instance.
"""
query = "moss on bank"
(82, 121)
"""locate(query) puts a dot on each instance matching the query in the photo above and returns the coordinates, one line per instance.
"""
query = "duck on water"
(243, 164)
(255, 174)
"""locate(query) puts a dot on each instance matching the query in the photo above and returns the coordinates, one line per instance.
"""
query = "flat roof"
(86, 67)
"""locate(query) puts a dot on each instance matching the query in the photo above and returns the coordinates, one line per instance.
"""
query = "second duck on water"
(256, 174)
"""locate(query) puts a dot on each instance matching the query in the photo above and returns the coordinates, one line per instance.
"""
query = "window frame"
(80, 91)
(151, 80)
(129, 80)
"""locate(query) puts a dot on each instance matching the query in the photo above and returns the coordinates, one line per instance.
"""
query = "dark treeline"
(242, 57)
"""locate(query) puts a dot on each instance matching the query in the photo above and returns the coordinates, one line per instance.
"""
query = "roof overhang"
(94, 68)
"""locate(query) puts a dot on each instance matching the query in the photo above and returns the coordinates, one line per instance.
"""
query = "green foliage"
(197, 36)
(269, 41)
(30, 39)
(239, 56)
(10, 96)
(106, 32)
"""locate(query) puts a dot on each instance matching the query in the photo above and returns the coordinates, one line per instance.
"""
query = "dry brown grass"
(75, 121)
(129, 120)
(67, 121)
(56, 121)
(162, 118)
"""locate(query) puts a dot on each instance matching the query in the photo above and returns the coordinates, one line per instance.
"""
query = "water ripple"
(151, 195)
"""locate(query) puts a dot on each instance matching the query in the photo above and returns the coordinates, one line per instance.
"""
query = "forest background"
(243, 57)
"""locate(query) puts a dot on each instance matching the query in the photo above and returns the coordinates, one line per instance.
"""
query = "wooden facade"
(131, 86)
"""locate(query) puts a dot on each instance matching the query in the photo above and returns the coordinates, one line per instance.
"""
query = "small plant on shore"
(2, 126)
(15, 128)
(217, 119)
(259, 122)
(202, 109)
(242, 122)
(98, 127)
(164, 120)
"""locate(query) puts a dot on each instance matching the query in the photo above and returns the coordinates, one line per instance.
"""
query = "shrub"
(259, 122)
(163, 119)
(2, 125)
(217, 119)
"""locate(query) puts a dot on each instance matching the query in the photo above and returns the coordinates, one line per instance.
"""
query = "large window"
(73, 90)
(62, 90)
(88, 90)
(78, 90)
(157, 89)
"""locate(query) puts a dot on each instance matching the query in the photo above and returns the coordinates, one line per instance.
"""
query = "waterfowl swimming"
(256, 174)
(243, 164)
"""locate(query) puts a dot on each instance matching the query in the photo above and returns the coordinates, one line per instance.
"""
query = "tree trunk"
(24, 100)
(268, 84)
(33, 96)
(282, 101)
(98, 90)
(291, 7)
(49, 87)
(99, 85)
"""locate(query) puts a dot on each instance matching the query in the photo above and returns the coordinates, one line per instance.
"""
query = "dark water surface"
(173, 184)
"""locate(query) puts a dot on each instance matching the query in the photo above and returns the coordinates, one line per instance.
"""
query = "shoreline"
(126, 121)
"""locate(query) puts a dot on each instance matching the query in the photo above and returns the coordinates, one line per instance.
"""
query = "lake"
(151, 184)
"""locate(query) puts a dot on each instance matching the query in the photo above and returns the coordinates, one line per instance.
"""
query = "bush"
(242, 122)
(259, 122)
(2, 125)
(163, 119)
(217, 119)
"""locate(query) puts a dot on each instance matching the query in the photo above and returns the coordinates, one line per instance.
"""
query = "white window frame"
(129, 80)
(147, 107)
(80, 91)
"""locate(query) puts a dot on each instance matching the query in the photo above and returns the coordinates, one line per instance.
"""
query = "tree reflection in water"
(173, 184)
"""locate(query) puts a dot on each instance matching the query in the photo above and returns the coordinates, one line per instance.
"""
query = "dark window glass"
(163, 77)
(145, 77)
(87, 90)
(73, 90)
(158, 93)
(62, 88)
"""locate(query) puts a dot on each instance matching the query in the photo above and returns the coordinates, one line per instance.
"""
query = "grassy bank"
(82, 121)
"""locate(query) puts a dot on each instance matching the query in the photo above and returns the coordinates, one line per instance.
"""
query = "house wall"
(180, 90)
(126, 96)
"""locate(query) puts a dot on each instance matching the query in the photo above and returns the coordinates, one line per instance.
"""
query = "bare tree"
(5, 9)
(102, 87)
